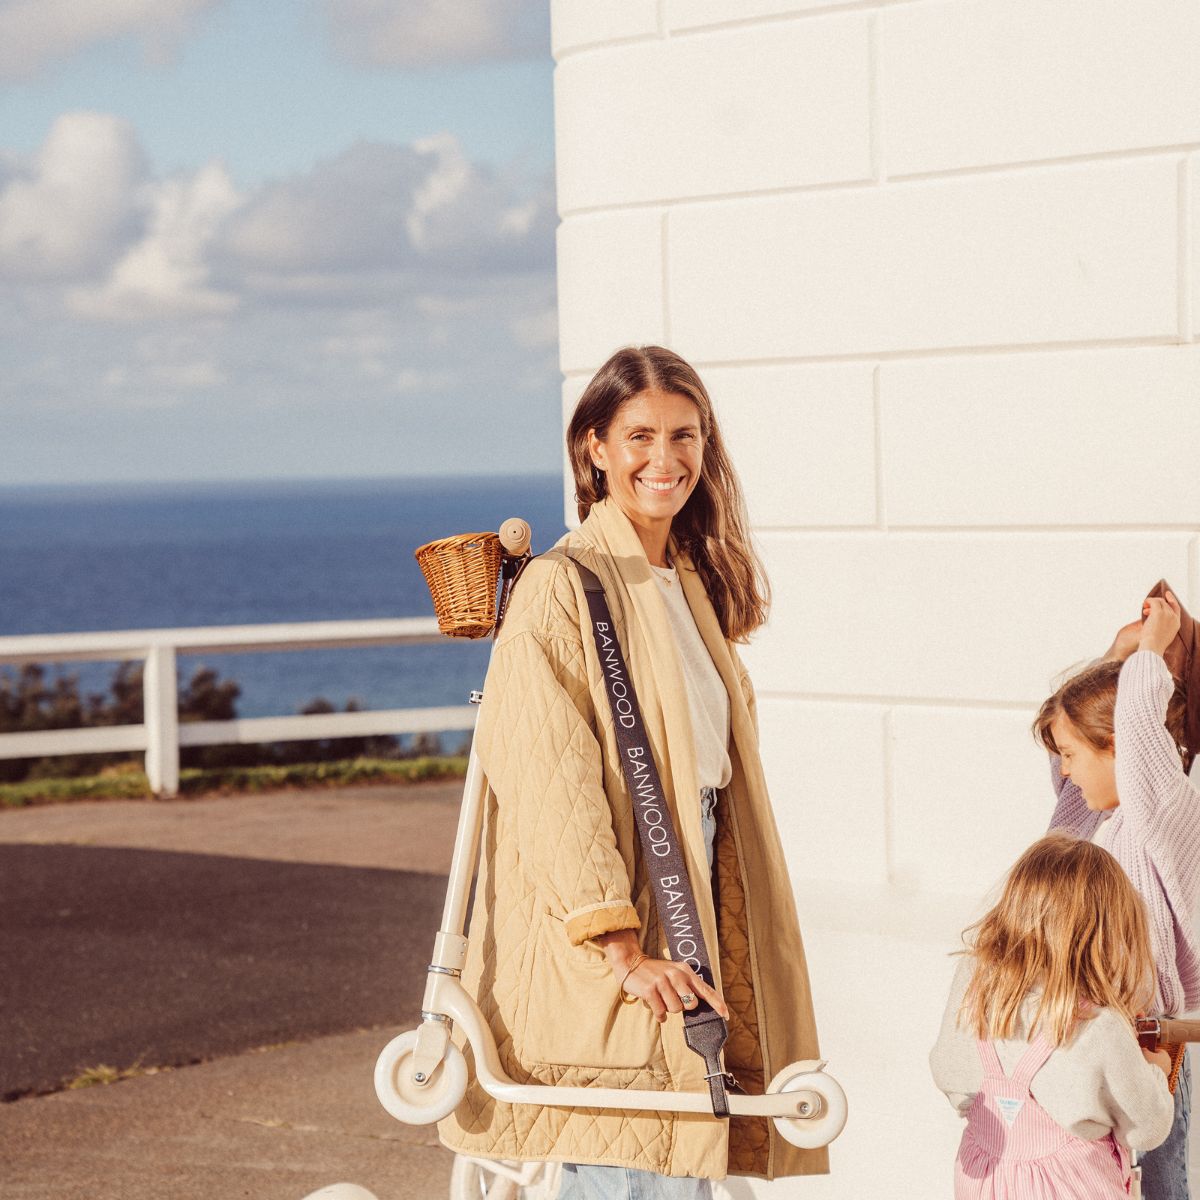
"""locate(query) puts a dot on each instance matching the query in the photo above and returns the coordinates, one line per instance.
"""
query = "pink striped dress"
(1012, 1150)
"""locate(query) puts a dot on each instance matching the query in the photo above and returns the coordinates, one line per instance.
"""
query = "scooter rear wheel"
(478, 1179)
(828, 1102)
(419, 1103)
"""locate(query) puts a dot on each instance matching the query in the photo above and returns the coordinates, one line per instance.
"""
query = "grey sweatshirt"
(1096, 1083)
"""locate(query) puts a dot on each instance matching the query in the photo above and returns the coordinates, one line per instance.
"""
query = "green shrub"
(133, 785)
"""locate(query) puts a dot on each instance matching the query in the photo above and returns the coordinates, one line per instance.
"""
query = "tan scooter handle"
(515, 536)
(1154, 1032)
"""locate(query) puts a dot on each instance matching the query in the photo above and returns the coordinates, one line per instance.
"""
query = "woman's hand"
(1161, 623)
(670, 987)
(660, 983)
(1158, 1058)
(1125, 643)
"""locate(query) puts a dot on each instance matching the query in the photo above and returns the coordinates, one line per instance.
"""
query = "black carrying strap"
(704, 1029)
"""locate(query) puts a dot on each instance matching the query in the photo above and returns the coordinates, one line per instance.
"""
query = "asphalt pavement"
(130, 957)
(276, 941)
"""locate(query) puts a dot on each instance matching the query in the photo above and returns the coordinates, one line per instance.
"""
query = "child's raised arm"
(1071, 813)
(1149, 768)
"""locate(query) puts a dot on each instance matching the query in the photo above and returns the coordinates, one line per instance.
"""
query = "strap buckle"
(730, 1078)
(720, 1084)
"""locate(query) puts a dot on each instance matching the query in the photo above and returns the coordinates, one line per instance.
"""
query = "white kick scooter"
(421, 1076)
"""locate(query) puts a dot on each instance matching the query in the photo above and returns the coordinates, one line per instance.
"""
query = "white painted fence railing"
(161, 735)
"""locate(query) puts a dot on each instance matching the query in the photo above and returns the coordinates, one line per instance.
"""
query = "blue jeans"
(1165, 1169)
(625, 1183)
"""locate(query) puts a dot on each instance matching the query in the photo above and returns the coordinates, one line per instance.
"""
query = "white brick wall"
(610, 285)
(1190, 297)
(804, 439)
(1034, 439)
(939, 263)
(965, 617)
(1027, 257)
(709, 95)
(975, 83)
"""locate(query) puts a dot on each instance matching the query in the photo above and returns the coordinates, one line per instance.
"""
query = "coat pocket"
(575, 1014)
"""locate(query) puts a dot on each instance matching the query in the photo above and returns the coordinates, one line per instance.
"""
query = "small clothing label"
(1009, 1106)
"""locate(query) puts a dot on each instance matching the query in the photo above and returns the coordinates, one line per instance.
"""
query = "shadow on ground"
(138, 956)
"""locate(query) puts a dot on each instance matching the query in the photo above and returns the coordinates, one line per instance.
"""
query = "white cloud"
(375, 225)
(385, 279)
(66, 212)
(166, 272)
(537, 330)
(35, 32)
(443, 187)
(412, 381)
(375, 211)
(418, 33)
(163, 379)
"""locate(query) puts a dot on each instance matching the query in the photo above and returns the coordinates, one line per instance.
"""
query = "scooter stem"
(450, 946)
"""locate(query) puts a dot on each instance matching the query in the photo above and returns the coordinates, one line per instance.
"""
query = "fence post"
(161, 706)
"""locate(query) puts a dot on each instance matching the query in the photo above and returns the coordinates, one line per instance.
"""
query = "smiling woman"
(565, 918)
(645, 434)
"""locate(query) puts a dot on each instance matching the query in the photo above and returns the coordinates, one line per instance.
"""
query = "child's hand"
(1126, 642)
(1158, 1058)
(1161, 623)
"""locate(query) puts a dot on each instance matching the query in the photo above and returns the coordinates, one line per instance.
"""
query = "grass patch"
(133, 785)
(102, 1075)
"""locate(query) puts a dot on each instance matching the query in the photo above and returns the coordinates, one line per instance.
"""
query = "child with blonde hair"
(1114, 732)
(1037, 1047)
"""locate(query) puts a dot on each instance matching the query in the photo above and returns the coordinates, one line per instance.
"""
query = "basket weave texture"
(462, 573)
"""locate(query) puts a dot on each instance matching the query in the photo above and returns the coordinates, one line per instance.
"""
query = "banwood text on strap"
(704, 1028)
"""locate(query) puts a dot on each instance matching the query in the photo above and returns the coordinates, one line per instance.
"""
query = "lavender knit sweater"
(1155, 833)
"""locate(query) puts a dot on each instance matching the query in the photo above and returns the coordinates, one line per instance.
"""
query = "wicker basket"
(462, 573)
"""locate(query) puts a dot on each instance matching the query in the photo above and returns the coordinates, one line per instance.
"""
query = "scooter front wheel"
(826, 1116)
(424, 1102)
(341, 1191)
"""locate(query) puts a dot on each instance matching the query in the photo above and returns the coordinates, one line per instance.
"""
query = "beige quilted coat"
(559, 866)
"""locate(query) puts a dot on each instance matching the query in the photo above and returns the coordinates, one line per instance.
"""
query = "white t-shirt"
(707, 698)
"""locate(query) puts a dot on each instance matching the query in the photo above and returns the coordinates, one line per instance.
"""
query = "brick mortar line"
(889, 801)
(877, 414)
(1059, 163)
(926, 354)
(1184, 249)
(886, 703)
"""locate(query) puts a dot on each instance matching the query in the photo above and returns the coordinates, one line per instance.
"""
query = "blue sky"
(248, 238)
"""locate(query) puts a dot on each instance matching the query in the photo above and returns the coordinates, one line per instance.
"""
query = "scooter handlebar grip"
(1171, 1031)
(515, 536)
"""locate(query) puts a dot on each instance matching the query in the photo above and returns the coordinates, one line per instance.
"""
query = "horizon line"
(226, 481)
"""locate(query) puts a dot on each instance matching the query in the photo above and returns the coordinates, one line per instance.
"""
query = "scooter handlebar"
(515, 536)
(1161, 1031)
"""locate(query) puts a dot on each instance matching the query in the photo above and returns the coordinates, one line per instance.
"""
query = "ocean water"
(74, 559)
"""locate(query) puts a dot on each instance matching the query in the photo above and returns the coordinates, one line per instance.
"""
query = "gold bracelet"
(626, 998)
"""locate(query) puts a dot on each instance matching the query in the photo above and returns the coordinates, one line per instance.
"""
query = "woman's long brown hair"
(712, 527)
(1069, 928)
